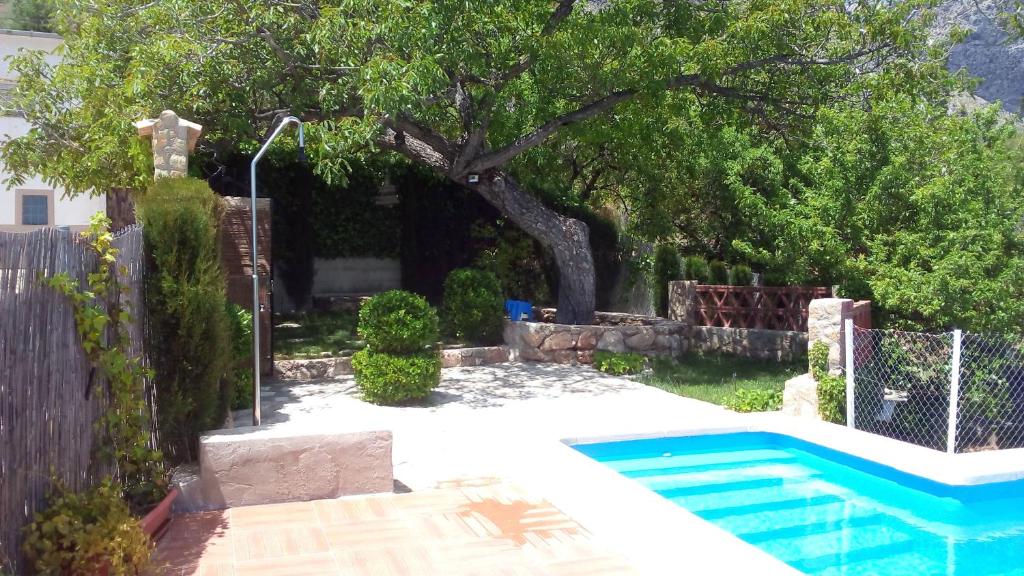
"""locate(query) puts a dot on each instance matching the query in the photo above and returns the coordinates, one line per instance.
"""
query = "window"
(35, 208)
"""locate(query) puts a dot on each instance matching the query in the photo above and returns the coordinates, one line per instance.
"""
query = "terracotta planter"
(155, 521)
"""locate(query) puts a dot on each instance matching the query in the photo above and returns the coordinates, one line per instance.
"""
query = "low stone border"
(568, 344)
(312, 368)
(482, 356)
(315, 368)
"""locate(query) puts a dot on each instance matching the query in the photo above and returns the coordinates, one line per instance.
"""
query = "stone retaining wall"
(568, 344)
(779, 345)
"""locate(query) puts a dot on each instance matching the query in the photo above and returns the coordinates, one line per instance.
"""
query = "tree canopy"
(695, 117)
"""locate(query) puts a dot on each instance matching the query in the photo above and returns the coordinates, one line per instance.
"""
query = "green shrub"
(718, 272)
(832, 399)
(667, 268)
(619, 363)
(817, 360)
(389, 379)
(398, 322)
(696, 268)
(755, 400)
(473, 307)
(240, 320)
(81, 533)
(831, 389)
(188, 330)
(741, 275)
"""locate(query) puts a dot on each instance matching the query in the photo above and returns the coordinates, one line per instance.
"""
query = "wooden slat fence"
(767, 307)
(862, 314)
(46, 420)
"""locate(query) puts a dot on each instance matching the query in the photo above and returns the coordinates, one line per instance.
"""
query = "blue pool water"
(826, 512)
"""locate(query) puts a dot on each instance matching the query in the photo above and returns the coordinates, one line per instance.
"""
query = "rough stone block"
(682, 300)
(825, 317)
(585, 356)
(562, 340)
(533, 334)
(248, 466)
(800, 397)
(612, 341)
(642, 340)
(588, 339)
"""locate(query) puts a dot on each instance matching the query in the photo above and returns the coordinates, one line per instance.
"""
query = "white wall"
(67, 212)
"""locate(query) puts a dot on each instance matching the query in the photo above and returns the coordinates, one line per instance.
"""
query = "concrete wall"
(345, 276)
(75, 212)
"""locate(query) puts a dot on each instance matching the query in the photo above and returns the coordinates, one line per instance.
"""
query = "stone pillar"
(682, 300)
(825, 318)
(173, 140)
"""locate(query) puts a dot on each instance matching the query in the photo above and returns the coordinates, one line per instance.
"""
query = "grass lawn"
(716, 378)
(314, 334)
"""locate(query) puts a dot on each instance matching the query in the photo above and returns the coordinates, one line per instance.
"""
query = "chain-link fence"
(953, 391)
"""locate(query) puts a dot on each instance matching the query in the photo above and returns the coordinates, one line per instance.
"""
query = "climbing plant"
(101, 320)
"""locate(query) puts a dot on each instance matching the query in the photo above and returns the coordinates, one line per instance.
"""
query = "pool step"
(631, 464)
(723, 478)
(768, 505)
(822, 515)
(811, 552)
(691, 468)
(765, 494)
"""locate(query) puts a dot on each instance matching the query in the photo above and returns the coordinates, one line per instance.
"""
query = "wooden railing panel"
(768, 307)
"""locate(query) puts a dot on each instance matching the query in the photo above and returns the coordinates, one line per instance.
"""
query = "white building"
(34, 203)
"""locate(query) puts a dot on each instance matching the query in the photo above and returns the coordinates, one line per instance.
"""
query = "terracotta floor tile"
(478, 529)
(271, 542)
(406, 560)
(371, 534)
(305, 565)
(302, 513)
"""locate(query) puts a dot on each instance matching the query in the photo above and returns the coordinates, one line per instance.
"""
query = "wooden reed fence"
(46, 418)
(766, 307)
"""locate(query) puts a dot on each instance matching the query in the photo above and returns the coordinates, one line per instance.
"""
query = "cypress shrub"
(741, 275)
(187, 325)
(696, 268)
(398, 363)
(473, 308)
(667, 268)
(718, 272)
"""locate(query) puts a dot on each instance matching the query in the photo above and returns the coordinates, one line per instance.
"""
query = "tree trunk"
(567, 238)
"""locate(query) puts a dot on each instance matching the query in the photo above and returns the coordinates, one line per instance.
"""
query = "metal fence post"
(848, 344)
(954, 393)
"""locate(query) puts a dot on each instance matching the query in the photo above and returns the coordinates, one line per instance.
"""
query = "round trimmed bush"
(718, 272)
(390, 378)
(741, 275)
(398, 322)
(473, 306)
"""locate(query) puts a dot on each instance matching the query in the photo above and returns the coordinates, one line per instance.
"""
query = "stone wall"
(778, 345)
(567, 344)
(570, 344)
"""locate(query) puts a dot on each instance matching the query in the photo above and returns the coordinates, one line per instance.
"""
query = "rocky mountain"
(985, 54)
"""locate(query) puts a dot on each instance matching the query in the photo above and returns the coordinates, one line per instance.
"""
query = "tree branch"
(414, 149)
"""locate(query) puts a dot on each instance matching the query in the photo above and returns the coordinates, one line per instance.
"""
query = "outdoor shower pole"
(255, 263)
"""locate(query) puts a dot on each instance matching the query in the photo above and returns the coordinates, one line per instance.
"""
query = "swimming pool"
(826, 512)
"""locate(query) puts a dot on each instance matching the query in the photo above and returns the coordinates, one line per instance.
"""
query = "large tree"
(463, 87)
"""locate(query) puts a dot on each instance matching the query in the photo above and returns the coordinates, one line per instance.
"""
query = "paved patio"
(503, 421)
(479, 418)
(458, 529)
